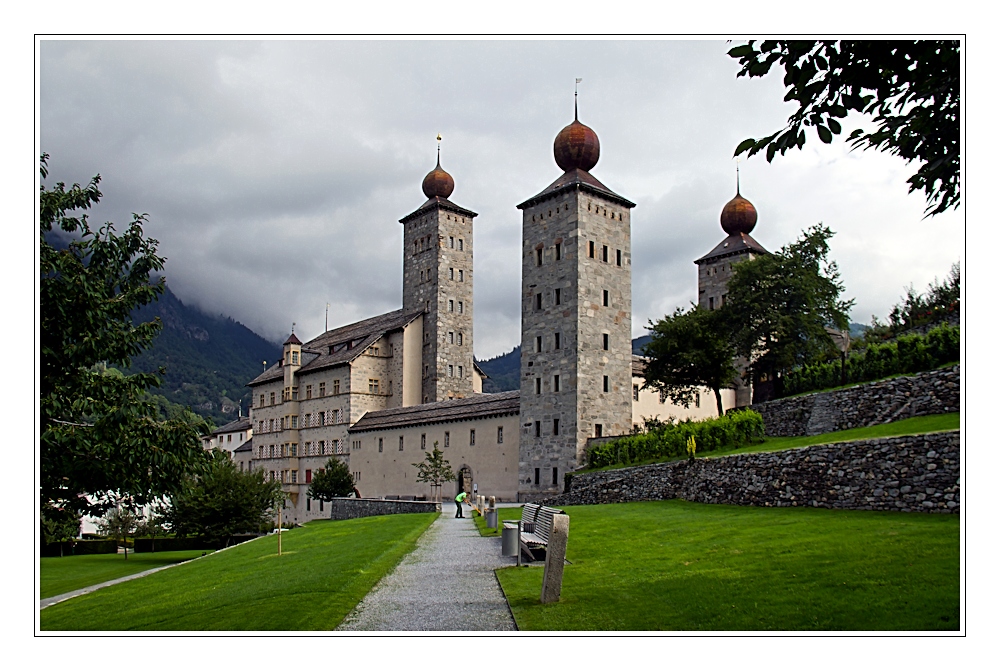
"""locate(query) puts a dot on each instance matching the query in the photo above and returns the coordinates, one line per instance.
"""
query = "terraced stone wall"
(905, 473)
(349, 509)
(929, 393)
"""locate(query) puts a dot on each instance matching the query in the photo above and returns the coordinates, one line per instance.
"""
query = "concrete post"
(555, 558)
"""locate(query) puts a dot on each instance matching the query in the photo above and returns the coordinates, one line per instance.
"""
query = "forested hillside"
(208, 360)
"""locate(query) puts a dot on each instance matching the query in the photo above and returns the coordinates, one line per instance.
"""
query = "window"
(605, 298)
(336, 386)
(421, 276)
(451, 305)
(322, 418)
(295, 358)
(321, 448)
(459, 338)
(451, 337)
(447, 438)
(307, 502)
(460, 373)
(538, 429)
(499, 435)
(451, 273)
(557, 341)
(372, 386)
(723, 302)
(538, 385)
(558, 251)
(272, 398)
(558, 296)
(400, 443)
(308, 420)
(322, 389)
(536, 476)
(460, 307)
(555, 383)
(591, 249)
(379, 444)
(472, 437)
(538, 301)
(604, 254)
(555, 427)
(538, 343)
(605, 383)
(618, 254)
(451, 370)
(262, 400)
(538, 257)
(555, 477)
(606, 339)
(271, 424)
(598, 430)
(711, 303)
(295, 421)
(451, 242)
(635, 392)
(697, 401)
(461, 275)
(423, 441)
(663, 397)
(460, 245)
(309, 476)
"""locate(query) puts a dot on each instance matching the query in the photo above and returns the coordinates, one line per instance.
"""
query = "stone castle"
(382, 392)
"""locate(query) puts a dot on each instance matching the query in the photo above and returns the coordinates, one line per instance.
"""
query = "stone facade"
(437, 279)
(350, 509)
(907, 473)
(576, 322)
(929, 393)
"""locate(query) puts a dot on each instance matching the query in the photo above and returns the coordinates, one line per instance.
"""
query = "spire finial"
(439, 150)
(737, 175)
(293, 328)
(576, 90)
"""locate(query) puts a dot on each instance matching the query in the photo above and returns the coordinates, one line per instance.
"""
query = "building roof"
(241, 424)
(638, 366)
(738, 243)
(576, 179)
(245, 447)
(454, 410)
(293, 340)
(317, 354)
(435, 202)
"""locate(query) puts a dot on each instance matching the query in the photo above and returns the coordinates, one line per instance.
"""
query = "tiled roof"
(438, 201)
(734, 244)
(638, 366)
(245, 447)
(454, 410)
(316, 353)
(576, 179)
(241, 424)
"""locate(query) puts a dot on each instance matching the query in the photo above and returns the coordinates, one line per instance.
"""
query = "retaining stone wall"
(350, 508)
(905, 473)
(929, 393)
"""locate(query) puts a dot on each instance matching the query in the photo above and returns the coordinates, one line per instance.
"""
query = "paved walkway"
(86, 590)
(446, 584)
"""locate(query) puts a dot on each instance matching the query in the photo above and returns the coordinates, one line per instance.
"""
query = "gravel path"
(446, 584)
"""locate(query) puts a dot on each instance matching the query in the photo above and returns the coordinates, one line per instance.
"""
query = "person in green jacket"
(458, 503)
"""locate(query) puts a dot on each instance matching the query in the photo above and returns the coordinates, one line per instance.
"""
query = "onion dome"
(576, 146)
(438, 182)
(739, 215)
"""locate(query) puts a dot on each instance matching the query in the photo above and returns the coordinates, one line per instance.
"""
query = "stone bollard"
(555, 558)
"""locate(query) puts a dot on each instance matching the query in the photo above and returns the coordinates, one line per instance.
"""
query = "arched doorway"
(464, 480)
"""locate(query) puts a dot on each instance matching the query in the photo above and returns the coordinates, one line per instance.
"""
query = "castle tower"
(738, 218)
(291, 361)
(576, 316)
(437, 280)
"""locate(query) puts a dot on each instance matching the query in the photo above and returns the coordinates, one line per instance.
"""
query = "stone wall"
(905, 473)
(929, 393)
(349, 509)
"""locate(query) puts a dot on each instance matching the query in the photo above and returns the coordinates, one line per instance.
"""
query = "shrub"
(735, 429)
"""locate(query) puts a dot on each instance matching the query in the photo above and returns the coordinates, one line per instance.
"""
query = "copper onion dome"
(576, 146)
(438, 182)
(739, 215)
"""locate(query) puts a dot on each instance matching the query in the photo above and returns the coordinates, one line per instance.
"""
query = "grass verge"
(904, 427)
(674, 565)
(66, 574)
(505, 513)
(325, 569)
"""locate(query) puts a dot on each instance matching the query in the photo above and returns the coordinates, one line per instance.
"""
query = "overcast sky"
(274, 173)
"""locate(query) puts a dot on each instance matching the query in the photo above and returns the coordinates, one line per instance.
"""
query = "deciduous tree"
(434, 469)
(332, 481)
(910, 89)
(689, 350)
(101, 438)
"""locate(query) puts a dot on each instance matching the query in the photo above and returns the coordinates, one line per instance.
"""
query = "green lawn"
(65, 574)
(904, 427)
(674, 565)
(325, 569)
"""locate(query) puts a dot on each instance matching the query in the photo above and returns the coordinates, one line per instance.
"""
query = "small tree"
(436, 470)
(119, 522)
(689, 350)
(152, 525)
(331, 481)
(223, 501)
(59, 525)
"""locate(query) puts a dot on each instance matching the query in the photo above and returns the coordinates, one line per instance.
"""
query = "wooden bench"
(536, 525)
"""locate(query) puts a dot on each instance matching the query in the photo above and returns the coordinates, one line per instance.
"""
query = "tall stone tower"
(437, 280)
(576, 316)
(715, 268)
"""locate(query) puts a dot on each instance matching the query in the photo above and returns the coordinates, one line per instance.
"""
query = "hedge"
(734, 429)
(907, 354)
(171, 544)
(80, 547)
